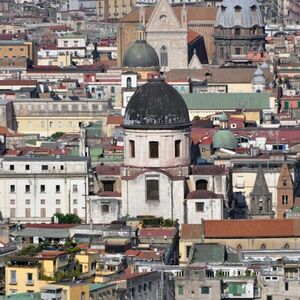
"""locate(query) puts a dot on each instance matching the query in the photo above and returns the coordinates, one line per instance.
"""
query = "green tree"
(57, 135)
(66, 219)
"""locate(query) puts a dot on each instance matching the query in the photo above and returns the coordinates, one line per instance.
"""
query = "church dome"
(242, 13)
(224, 139)
(141, 55)
(156, 105)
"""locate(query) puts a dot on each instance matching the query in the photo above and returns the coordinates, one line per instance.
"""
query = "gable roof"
(265, 228)
(194, 13)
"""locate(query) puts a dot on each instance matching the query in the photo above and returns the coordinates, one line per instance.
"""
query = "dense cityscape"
(149, 149)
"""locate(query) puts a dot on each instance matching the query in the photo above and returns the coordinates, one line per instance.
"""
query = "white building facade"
(33, 189)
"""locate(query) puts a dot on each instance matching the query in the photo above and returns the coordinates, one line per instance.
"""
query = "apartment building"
(33, 189)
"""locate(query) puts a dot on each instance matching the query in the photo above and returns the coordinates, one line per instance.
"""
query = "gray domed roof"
(224, 139)
(250, 14)
(141, 55)
(156, 105)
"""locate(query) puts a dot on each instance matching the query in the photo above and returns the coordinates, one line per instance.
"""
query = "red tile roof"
(107, 170)
(51, 254)
(276, 228)
(192, 35)
(157, 232)
(17, 82)
(190, 231)
(109, 194)
(115, 120)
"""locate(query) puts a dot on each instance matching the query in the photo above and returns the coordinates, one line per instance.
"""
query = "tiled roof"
(223, 101)
(51, 226)
(51, 254)
(192, 35)
(157, 232)
(276, 228)
(194, 13)
(108, 170)
(109, 194)
(115, 120)
(203, 195)
(209, 170)
(17, 82)
(190, 231)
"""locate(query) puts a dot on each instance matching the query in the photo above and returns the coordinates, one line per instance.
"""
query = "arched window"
(128, 82)
(237, 31)
(163, 56)
(201, 184)
(237, 9)
(263, 247)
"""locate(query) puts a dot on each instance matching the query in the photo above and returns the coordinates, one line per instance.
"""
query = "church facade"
(239, 28)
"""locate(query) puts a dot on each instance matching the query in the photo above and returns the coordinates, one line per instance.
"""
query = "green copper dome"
(141, 55)
(224, 139)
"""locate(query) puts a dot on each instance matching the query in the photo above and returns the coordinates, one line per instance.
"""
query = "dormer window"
(237, 9)
(223, 8)
(253, 8)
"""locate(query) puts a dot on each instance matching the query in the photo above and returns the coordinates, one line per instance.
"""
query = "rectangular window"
(240, 182)
(204, 290)
(237, 51)
(286, 105)
(269, 297)
(286, 286)
(153, 150)
(57, 201)
(43, 201)
(61, 167)
(199, 206)
(12, 201)
(132, 148)
(177, 148)
(11, 167)
(105, 208)
(298, 104)
(188, 250)
(13, 277)
(27, 188)
(57, 188)
(112, 89)
(12, 212)
(75, 188)
(29, 277)
(27, 213)
(43, 212)
(285, 199)
(108, 186)
(27, 201)
(57, 210)
(180, 290)
(75, 201)
(27, 167)
(152, 189)
(75, 211)
(44, 167)
(42, 188)
(12, 188)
